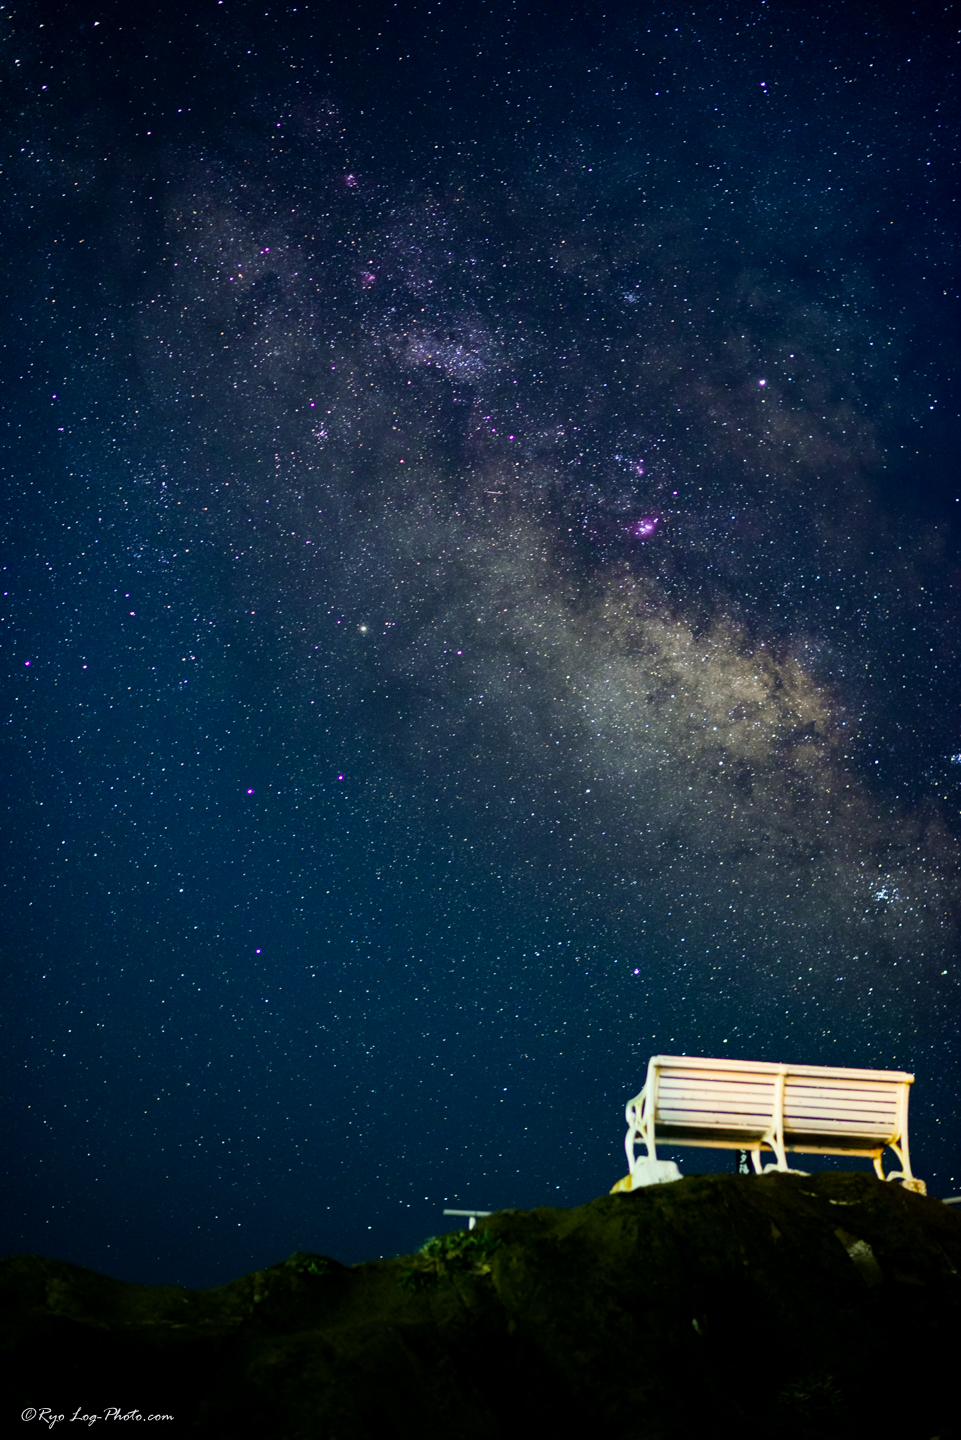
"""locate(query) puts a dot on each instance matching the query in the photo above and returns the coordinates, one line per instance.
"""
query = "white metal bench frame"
(754, 1105)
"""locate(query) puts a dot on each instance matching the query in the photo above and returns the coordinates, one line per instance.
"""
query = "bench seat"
(755, 1105)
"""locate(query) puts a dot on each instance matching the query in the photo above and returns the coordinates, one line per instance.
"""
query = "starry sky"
(481, 599)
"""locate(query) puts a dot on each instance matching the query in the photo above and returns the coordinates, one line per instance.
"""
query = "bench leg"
(904, 1174)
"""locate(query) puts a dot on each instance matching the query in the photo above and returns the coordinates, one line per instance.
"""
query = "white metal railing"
(475, 1215)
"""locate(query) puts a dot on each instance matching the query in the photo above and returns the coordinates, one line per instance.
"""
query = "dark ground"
(820, 1306)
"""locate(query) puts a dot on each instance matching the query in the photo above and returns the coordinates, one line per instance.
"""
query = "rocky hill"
(819, 1306)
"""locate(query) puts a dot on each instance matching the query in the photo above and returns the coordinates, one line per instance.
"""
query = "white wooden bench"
(753, 1105)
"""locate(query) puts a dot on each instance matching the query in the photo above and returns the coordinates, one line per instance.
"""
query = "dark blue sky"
(481, 599)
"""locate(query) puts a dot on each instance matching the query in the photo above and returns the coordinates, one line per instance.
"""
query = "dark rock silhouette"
(822, 1305)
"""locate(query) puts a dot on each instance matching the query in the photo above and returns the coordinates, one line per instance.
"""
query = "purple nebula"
(644, 527)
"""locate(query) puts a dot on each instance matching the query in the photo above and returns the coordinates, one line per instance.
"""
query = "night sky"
(482, 599)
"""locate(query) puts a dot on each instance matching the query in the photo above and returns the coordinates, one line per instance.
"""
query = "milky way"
(491, 615)
(400, 471)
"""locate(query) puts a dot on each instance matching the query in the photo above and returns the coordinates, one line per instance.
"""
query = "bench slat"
(726, 1121)
(850, 1114)
(722, 1118)
(711, 1104)
(683, 1091)
(839, 1099)
(670, 1086)
(802, 1084)
(690, 1063)
(859, 1127)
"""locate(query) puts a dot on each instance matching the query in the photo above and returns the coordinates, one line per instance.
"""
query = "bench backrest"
(750, 1096)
